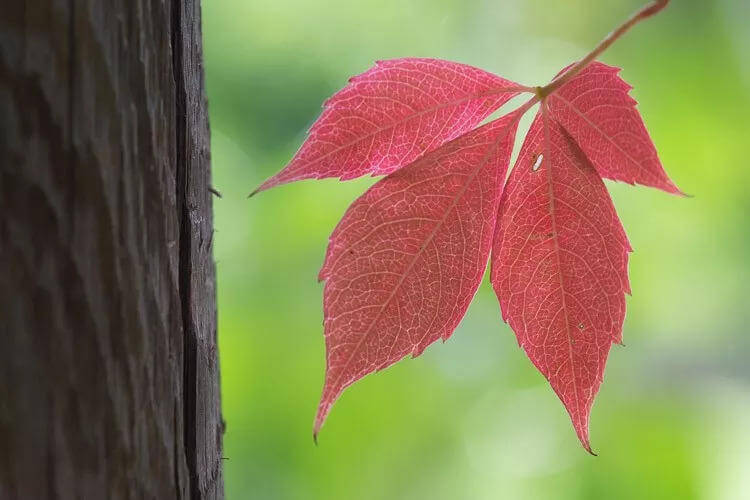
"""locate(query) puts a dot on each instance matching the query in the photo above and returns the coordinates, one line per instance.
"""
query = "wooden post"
(109, 376)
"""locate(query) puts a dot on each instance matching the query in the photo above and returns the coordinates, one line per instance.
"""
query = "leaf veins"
(409, 254)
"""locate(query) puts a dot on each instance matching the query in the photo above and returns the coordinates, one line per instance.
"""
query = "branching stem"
(645, 12)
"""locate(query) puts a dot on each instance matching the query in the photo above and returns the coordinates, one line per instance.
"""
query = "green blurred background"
(472, 418)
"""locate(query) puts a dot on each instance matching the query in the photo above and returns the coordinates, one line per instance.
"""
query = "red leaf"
(559, 266)
(597, 111)
(407, 258)
(391, 115)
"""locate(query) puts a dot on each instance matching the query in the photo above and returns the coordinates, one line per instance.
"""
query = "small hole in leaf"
(537, 163)
(580, 326)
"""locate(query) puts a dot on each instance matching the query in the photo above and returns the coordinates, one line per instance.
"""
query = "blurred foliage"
(473, 419)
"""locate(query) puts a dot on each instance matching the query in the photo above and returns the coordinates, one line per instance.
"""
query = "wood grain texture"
(109, 379)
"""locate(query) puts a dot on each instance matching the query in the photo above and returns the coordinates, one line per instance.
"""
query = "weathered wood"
(109, 379)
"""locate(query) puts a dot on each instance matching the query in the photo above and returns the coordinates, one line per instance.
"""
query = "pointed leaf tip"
(267, 184)
(582, 433)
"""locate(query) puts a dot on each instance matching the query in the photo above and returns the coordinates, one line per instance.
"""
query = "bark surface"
(109, 379)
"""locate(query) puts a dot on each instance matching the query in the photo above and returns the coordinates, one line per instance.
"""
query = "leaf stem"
(646, 11)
